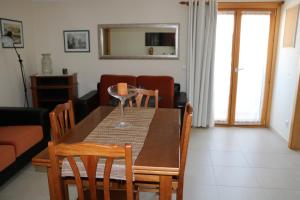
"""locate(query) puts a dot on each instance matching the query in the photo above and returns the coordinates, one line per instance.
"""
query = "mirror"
(138, 41)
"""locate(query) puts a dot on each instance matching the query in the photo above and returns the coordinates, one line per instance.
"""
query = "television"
(159, 39)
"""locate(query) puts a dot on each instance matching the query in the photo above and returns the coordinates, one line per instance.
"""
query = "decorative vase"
(46, 63)
(150, 51)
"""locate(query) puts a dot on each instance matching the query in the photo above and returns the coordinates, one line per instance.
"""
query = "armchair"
(24, 132)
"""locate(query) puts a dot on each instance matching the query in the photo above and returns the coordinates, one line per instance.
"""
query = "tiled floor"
(223, 164)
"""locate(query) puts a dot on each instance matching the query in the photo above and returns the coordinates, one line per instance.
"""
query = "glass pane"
(252, 66)
(222, 72)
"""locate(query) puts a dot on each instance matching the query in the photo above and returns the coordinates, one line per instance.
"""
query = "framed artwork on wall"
(77, 41)
(290, 28)
(13, 29)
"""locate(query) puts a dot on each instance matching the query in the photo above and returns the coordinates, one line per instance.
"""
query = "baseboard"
(278, 133)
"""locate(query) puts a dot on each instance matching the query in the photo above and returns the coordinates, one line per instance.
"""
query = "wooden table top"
(160, 153)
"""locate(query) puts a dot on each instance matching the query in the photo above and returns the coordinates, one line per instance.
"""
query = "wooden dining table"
(158, 160)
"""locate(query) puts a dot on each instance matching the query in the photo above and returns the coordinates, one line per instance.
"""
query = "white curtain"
(200, 59)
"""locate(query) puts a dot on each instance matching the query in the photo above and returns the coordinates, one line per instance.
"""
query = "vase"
(46, 63)
(150, 51)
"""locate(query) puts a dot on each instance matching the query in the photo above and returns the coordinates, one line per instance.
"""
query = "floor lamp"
(8, 40)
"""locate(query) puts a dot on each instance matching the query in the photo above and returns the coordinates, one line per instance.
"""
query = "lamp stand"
(23, 76)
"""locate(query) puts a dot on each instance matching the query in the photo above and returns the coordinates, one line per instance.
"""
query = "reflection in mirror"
(138, 41)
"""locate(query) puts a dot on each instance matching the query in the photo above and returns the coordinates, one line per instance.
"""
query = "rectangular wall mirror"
(138, 41)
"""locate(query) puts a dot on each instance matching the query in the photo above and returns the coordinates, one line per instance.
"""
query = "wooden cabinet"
(50, 90)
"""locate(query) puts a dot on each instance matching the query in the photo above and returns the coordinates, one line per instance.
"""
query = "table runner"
(106, 133)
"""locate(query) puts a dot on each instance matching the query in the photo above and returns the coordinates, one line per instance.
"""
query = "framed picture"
(290, 28)
(15, 30)
(77, 41)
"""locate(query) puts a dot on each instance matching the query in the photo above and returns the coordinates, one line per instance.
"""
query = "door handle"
(237, 69)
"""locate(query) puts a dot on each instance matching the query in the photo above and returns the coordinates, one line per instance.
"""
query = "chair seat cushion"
(22, 137)
(8, 156)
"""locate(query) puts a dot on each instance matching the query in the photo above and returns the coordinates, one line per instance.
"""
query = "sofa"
(169, 93)
(24, 132)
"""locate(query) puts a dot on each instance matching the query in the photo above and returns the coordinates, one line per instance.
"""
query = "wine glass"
(113, 91)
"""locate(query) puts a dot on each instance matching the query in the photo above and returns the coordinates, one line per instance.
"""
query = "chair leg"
(137, 195)
(66, 190)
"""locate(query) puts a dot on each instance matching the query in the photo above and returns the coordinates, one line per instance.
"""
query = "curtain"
(200, 59)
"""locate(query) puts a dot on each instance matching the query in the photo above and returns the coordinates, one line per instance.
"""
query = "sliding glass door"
(242, 66)
(251, 68)
(222, 74)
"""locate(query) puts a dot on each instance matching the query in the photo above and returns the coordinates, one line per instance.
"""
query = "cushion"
(8, 156)
(165, 86)
(22, 137)
(108, 80)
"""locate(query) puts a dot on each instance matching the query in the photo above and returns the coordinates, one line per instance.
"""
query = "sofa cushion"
(8, 156)
(108, 80)
(22, 137)
(165, 86)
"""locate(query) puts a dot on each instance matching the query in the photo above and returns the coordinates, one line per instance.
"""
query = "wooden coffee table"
(158, 159)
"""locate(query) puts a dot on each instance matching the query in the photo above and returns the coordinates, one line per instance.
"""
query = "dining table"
(158, 159)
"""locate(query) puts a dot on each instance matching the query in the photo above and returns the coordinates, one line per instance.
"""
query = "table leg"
(51, 183)
(165, 187)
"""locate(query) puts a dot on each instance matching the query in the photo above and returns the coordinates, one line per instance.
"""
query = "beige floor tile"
(278, 178)
(27, 184)
(223, 163)
(235, 176)
(238, 193)
(228, 158)
(149, 196)
(271, 160)
(197, 157)
(201, 175)
(283, 194)
(194, 192)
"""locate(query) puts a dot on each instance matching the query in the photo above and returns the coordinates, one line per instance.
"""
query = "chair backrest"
(90, 153)
(165, 86)
(184, 142)
(143, 97)
(61, 119)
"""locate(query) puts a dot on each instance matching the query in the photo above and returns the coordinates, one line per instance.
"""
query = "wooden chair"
(184, 143)
(142, 93)
(178, 181)
(90, 154)
(61, 119)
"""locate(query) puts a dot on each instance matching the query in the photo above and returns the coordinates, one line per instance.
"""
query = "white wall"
(44, 22)
(11, 86)
(286, 79)
(52, 17)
